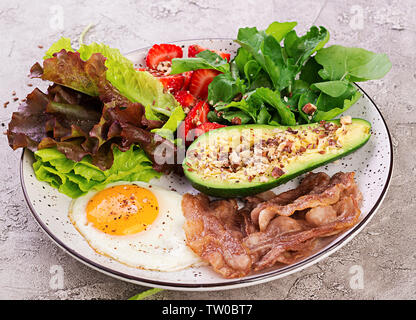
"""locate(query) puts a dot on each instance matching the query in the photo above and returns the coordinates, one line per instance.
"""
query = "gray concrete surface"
(384, 249)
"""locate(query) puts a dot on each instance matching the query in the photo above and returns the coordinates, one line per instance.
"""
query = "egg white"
(162, 246)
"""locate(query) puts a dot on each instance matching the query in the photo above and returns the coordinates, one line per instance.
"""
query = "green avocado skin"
(222, 191)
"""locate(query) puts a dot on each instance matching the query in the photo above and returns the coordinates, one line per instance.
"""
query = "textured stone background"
(385, 248)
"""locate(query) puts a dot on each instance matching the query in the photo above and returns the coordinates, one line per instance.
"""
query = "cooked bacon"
(347, 215)
(212, 234)
(235, 244)
(317, 196)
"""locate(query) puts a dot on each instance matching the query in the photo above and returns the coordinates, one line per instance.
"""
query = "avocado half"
(356, 136)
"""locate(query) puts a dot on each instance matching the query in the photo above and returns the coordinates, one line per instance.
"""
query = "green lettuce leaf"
(136, 86)
(77, 178)
(169, 128)
(63, 43)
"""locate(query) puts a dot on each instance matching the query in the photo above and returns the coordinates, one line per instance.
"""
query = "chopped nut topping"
(277, 172)
(258, 155)
(236, 120)
(309, 108)
(346, 120)
(164, 67)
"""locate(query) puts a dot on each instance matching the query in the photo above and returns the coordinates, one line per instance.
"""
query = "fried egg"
(135, 223)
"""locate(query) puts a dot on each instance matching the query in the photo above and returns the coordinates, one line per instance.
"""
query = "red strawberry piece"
(197, 116)
(161, 53)
(194, 49)
(199, 82)
(172, 83)
(188, 76)
(186, 99)
(207, 126)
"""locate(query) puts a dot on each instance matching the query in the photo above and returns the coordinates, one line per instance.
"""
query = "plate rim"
(256, 279)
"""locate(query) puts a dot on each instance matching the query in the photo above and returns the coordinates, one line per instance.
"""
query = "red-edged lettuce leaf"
(68, 69)
(162, 152)
(83, 115)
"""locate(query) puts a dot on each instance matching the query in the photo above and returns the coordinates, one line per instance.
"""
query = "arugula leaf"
(299, 87)
(279, 29)
(264, 116)
(268, 54)
(251, 40)
(354, 64)
(308, 96)
(299, 49)
(236, 117)
(241, 58)
(281, 64)
(243, 106)
(214, 117)
(281, 73)
(334, 88)
(145, 294)
(260, 106)
(224, 87)
(310, 72)
(273, 98)
(329, 107)
(262, 80)
(203, 60)
(251, 70)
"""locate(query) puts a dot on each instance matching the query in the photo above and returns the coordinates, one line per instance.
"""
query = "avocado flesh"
(356, 135)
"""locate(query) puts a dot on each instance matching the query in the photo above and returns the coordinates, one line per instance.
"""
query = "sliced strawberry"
(199, 82)
(172, 83)
(186, 99)
(207, 126)
(188, 76)
(197, 116)
(163, 52)
(194, 49)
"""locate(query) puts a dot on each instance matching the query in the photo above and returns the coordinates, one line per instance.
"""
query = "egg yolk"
(122, 210)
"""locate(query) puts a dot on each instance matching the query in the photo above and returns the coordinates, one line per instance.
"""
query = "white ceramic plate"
(372, 163)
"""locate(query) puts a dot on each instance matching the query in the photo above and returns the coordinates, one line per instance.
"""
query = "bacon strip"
(212, 235)
(347, 212)
(235, 244)
(317, 196)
